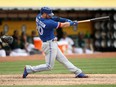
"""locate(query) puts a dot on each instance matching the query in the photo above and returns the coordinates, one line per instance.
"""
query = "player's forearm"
(60, 19)
(65, 24)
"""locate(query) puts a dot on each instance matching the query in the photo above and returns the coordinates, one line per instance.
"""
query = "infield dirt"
(57, 79)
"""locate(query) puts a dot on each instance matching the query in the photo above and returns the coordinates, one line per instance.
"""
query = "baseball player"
(46, 23)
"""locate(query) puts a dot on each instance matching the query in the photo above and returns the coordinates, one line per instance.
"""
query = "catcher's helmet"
(46, 10)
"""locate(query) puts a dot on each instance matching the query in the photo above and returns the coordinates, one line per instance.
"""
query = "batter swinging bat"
(95, 19)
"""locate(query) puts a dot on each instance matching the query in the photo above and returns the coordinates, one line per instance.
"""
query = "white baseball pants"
(52, 52)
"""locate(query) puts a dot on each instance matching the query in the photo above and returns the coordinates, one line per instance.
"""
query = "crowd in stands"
(23, 45)
(83, 44)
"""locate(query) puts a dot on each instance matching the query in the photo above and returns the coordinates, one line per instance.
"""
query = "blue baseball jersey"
(46, 28)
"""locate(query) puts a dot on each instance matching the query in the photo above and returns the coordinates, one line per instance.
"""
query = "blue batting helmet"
(46, 10)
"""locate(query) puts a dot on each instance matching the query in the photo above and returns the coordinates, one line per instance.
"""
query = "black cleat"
(81, 75)
(25, 73)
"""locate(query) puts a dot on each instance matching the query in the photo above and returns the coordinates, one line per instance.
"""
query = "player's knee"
(49, 67)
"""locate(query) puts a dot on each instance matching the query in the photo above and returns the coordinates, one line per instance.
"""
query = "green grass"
(66, 86)
(90, 66)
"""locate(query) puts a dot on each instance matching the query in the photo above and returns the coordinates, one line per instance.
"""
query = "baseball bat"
(95, 19)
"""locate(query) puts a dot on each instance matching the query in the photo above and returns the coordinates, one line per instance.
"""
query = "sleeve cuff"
(59, 25)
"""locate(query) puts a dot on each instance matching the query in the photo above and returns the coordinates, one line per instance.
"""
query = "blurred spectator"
(83, 47)
(24, 41)
(2, 51)
(30, 39)
(16, 41)
(87, 35)
(89, 46)
(69, 41)
(15, 34)
(18, 48)
(29, 47)
(2, 33)
(5, 47)
(81, 42)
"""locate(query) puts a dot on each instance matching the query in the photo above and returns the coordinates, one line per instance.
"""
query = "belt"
(51, 40)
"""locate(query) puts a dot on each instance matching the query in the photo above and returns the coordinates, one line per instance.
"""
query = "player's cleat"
(81, 75)
(25, 73)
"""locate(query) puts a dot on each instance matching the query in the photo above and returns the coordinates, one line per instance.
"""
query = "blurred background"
(17, 18)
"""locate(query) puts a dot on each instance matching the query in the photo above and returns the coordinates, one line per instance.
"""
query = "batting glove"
(73, 23)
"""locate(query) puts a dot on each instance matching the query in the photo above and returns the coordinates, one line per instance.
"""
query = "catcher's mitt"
(7, 39)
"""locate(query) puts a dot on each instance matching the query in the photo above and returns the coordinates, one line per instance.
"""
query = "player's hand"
(7, 39)
(75, 23)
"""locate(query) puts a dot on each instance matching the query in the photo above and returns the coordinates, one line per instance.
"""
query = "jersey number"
(40, 30)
